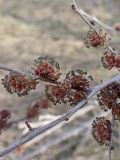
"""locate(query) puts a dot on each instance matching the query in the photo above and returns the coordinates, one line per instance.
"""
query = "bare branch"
(3, 67)
(111, 147)
(82, 13)
(68, 134)
(80, 113)
(37, 131)
(28, 125)
(95, 19)
(62, 137)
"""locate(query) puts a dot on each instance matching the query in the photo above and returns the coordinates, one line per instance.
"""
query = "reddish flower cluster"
(34, 109)
(95, 39)
(4, 116)
(101, 130)
(111, 60)
(80, 85)
(117, 27)
(108, 99)
(74, 89)
(46, 67)
(57, 93)
(17, 83)
(45, 103)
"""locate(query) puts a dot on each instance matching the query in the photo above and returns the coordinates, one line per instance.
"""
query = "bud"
(96, 40)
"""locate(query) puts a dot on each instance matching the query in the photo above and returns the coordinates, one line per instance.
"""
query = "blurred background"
(32, 28)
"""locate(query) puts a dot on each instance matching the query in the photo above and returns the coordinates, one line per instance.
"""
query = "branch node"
(67, 119)
(28, 125)
(72, 6)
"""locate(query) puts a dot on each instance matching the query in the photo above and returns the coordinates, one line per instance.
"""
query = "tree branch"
(82, 14)
(111, 147)
(3, 67)
(31, 134)
(80, 113)
(62, 137)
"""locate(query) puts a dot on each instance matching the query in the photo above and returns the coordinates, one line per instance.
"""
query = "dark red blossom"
(18, 83)
(80, 85)
(108, 98)
(95, 39)
(46, 67)
(33, 109)
(4, 116)
(101, 130)
(78, 80)
(111, 60)
(116, 111)
(57, 93)
(117, 62)
(75, 87)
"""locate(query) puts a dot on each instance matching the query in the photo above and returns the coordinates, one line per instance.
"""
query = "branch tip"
(28, 125)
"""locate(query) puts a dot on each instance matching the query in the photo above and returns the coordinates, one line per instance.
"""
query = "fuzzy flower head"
(96, 40)
(101, 130)
(45, 67)
(4, 116)
(19, 84)
(109, 98)
(80, 84)
(111, 60)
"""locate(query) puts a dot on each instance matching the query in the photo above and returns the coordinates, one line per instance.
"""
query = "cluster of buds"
(57, 93)
(4, 116)
(80, 85)
(74, 89)
(45, 67)
(97, 39)
(108, 99)
(101, 130)
(111, 60)
(116, 112)
(18, 83)
(34, 109)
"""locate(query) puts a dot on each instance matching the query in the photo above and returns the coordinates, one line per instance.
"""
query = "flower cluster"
(96, 40)
(80, 85)
(57, 93)
(45, 67)
(74, 89)
(108, 99)
(4, 116)
(34, 109)
(101, 130)
(111, 60)
(18, 83)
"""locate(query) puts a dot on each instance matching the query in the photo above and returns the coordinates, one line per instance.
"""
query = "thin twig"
(95, 19)
(3, 67)
(28, 125)
(80, 113)
(37, 131)
(62, 137)
(14, 122)
(52, 142)
(81, 13)
(111, 147)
